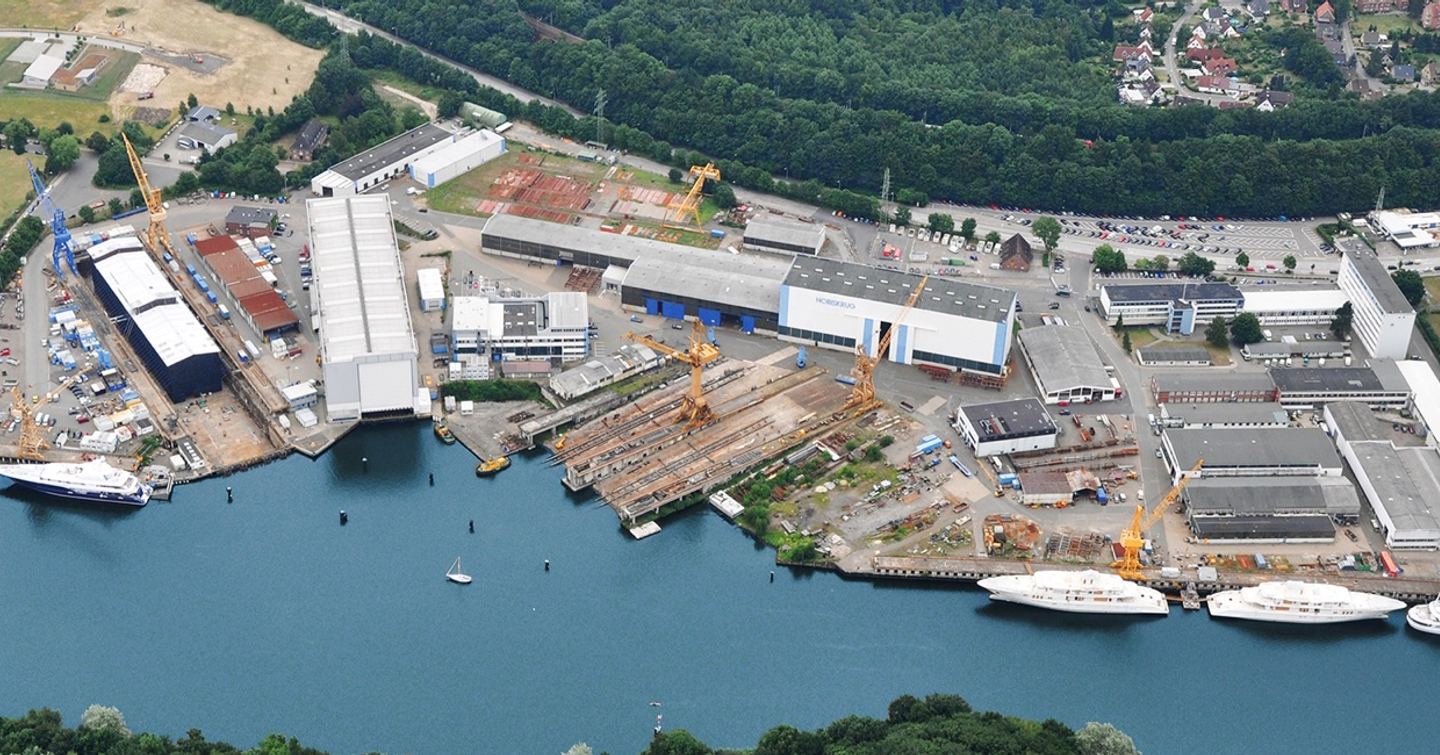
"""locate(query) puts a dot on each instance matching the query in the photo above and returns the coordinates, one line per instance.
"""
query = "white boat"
(1425, 617)
(1086, 591)
(457, 576)
(88, 481)
(1296, 602)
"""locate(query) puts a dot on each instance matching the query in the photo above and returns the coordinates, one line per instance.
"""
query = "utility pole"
(600, 116)
(885, 187)
(1380, 200)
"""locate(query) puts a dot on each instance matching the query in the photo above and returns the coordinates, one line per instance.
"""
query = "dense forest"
(102, 731)
(984, 102)
(936, 724)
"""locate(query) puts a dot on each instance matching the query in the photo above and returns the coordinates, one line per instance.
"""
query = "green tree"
(1048, 229)
(941, 222)
(449, 104)
(86, 213)
(912, 197)
(137, 199)
(676, 742)
(967, 229)
(104, 718)
(1245, 329)
(1107, 259)
(191, 101)
(724, 196)
(1125, 341)
(97, 142)
(1242, 260)
(19, 132)
(676, 176)
(1194, 265)
(902, 216)
(1411, 285)
(992, 237)
(229, 109)
(63, 152)
(1103, 739)
(114, 168)
(1216, 334)
(65, 129)
(1289, 262)
(1340, 324)
(1119, 321)
(116, 206)
(1160, 262)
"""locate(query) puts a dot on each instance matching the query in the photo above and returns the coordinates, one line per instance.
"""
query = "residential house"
(1202, 54)
(1430, 74)
(1325, 14)
(1235, 105)
(1380, 6)
(312, 137)
(1215, 13)
(1016, 254)
(1374, 40)
(202, 114)
(1144, 92)
(1295, 6)
(1430, 16)
(1403, 72)
(1219, 66)
(1145, 34)
(1138, 68)
(1214, 85)
(1145, 16)
(1325, 30)
(1270, 100)
(1336, 48)
(1258, 9)
(1124, 53)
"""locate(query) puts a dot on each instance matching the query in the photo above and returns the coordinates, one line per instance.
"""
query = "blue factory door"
(672, 310)
(652, 306)
(710, 316)
(747, 324)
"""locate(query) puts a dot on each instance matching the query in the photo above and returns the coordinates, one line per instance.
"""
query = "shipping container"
(252, 348)
(1388, 564)
(224, 312)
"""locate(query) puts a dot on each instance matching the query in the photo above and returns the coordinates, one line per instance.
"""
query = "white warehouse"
(367, 342)
(955, 324)
(1294, 306)
(554, 327)
(382, 162)
(456, 158)
(430, 282)
(1006, 427)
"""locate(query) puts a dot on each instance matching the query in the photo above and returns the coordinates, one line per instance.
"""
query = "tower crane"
(158, 234)
(1132, 538)
(694, 410)
(32, 442)
(63, 245)
(862, 396)
(688, 208)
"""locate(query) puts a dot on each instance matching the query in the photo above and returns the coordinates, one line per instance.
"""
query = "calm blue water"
(265, 615)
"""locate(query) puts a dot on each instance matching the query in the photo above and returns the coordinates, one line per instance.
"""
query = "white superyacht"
(1295, 602)
(1425, 617)
(1086, 591)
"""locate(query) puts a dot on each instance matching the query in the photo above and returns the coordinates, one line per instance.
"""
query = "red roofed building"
(1430, 16)
(1213, 84)
(254, 298)
(1126, 52)
(207, 247)
(1325, 14)
(1220, 66)
(1204, 53)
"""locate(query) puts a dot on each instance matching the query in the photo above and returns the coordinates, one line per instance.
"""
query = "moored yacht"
(89, 481)
(1425, 617)
(1296, 602)
(1086, 591)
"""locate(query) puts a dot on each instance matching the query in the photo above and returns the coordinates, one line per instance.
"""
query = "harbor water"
(266, 615)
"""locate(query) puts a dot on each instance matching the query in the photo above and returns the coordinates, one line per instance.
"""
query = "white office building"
(1295, 306)
(457, 158)
(1178, 307)
(554, 327)
(1408, 230)
(382, 162)
(367, 342)
(1006, 427)
(1383, 319)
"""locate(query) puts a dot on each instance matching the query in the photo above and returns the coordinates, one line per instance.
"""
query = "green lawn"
(1432, 289)
(47, 109)
(14, 182)
(11, 73)
(1139, 336)
(1384, 23)
(8, 45)
(404, 84)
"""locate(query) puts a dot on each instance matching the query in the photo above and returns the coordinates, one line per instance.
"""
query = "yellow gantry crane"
(158, 234)
(694, 410)
(32, 439)
(688, 207)
(1132, 538)
(862, 395)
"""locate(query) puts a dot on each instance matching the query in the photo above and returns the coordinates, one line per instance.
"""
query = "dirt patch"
(154, 116)
(144, 77)
(262, 69)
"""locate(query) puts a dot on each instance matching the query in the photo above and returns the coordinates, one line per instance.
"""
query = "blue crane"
(57, 224)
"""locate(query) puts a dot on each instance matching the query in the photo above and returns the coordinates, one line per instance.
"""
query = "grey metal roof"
(1134, 293)
(247, 215)
(945, 295)
(392, 151)
(579, 380)
(1406, 483)
(522, 318)
(1253, 447)
(1153, 354)
(311, 134)
(202, 113)
(1238, 496)
(1357, 424)
(1294, 380)
(1235, 382)
(1309, 527)
(1229, 412)
(621, 249)
(1063, 357)
(208, 133)
(768, 228)
(1273, 349)
(1377, 279)
(749, 281)
(999, 420)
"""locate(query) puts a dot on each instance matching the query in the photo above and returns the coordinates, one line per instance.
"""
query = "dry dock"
(640, 458)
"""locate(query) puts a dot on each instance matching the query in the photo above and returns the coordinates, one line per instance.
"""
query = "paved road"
(1173, 68)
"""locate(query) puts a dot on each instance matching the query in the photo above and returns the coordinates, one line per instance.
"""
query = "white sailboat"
(457, 576)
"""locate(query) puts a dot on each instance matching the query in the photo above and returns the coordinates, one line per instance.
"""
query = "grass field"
(1432, 290)
(47, 109)
(14, 182)
(43, 14)
(1384, 23)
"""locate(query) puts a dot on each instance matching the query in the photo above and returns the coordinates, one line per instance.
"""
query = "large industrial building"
(954, 324)
(554, 328)
(1230, 415)
(1399, 476)
(1285, 452)
(244, 288)
(456, 158)
(1293, 306)
(1383, 318)
(1178, 307)
(1408, 230)
(1189, 387)
(1378, 385)
(381, 163)
(172, 344)
(1269, 509)
(718, 288)
(1066, 365)
(367, 342)
(768, 233)
(1006, 427)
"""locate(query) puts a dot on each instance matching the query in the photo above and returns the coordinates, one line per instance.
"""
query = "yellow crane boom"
(158, 234)
(32, 439)
(694, 410)
(1132, 538)
(687, 208)
(862, 395)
